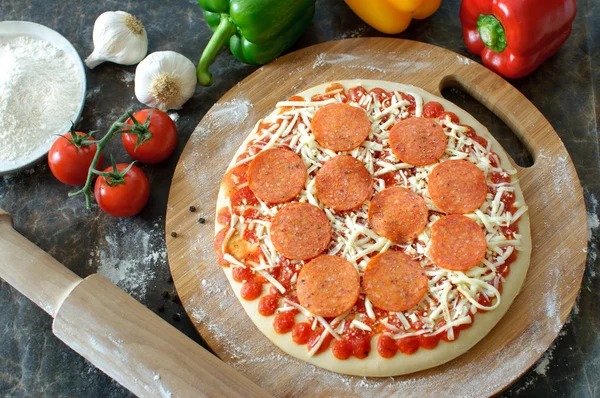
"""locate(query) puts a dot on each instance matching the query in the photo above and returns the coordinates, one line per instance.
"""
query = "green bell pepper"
(257, 31)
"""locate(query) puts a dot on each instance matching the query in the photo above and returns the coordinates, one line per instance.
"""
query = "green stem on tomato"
(100, 144)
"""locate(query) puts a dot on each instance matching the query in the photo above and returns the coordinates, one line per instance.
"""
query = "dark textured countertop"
(132, 253)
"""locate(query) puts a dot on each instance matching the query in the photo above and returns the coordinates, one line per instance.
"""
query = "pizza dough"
(391, 363)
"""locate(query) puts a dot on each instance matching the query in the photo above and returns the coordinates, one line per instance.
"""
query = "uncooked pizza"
(371, 228)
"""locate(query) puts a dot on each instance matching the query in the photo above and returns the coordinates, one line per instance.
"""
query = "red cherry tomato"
(126, 199)
(70, 164)
(163, 138)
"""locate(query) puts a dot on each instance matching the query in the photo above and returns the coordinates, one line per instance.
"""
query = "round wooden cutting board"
(551, 188)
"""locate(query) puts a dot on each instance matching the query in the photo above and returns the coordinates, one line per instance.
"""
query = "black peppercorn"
(192, 208)
(174, 234)
(201, 220)
(165, 294)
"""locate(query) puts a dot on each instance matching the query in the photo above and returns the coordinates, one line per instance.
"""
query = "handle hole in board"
(511, 143)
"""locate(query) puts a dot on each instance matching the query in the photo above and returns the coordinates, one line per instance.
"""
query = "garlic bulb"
(119, 37)
(165, 80)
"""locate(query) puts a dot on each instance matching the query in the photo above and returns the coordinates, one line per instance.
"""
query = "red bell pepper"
(514, 37)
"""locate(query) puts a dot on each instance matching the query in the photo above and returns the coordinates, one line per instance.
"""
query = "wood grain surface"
(551, 188)
(139, 350)
(22, 264)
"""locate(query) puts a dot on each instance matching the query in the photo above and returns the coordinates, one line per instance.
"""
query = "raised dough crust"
(374, 365)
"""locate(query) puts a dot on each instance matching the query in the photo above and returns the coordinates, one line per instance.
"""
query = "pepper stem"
(224, 31)
(491, 32)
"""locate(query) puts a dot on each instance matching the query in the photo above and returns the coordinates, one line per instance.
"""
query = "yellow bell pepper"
(392, 16)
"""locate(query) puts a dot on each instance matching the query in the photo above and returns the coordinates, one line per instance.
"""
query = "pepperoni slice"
(457, 243)
(457, 186)
(398, 214)
(276, 175)
(328, 286)
(340, 127)
(394, 282)
(418, 141)
(343, 183)
(300, 231)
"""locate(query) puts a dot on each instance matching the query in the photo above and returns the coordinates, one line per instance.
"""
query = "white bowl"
(41, 32)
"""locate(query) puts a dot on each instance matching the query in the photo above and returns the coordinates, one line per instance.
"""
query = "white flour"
(39, 95)
(131, 270)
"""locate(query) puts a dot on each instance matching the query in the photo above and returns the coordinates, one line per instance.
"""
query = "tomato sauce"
(243, 196)
(240, 274)
(224, 216)
(354, 342)
(408, 345)
(472, 135)
(301, 333)
(268, 304)
(498, 178)
(432, 109)
(389, 178)
(452, 115)
(412, 106)
(386, 346)
(356, 93)
(218, 245)
(314, 339)
(283, 322)
(287, 108)
(342, 349)
(251, 290)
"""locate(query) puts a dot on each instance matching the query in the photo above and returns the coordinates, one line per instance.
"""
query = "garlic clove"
(118, 37)
(165, 80)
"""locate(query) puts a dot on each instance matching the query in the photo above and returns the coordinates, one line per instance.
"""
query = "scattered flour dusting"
(332, 59)
(542, 366)
(562, 174)
(131, 270)
(552, 297)
(164, 392)
(226, 119)
(352, 34)
(388, 63)
(593, 224)
(526, 386)
(232, 112)
(463, 60)
(592, 216)
(93, 92)
(127, 77)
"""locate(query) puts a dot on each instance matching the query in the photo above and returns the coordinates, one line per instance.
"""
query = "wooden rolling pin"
(113, 331)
